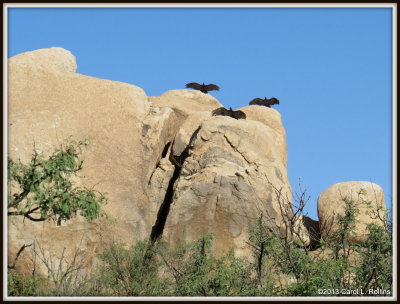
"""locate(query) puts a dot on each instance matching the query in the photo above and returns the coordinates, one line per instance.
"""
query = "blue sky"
(329, 67)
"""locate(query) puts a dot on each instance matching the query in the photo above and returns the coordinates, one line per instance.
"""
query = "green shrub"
(198, 273)
(279, 266)
(43, 189)
(125, 272)
(342, 265)
(375, 269)
(23, 285)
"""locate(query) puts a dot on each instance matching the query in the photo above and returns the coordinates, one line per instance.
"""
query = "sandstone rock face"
(48, 103)
(368, 198)
(158, 185)
(150, 155)
(187, 129)
(186, 102)
(54, 59)
(227, 181)
(272, 120)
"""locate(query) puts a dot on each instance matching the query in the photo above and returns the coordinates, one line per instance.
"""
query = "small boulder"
(368, 198)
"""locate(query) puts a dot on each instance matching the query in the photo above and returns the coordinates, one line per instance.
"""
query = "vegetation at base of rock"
(375, 271)
(43, 189)
(125, 273)
(23, 285)
(196, 272)
(278, 267)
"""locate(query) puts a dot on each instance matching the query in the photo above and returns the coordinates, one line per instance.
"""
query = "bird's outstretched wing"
(194, 85)
(272, 101)
(257, 101)
(220, 111)
(202, 87)
(225, 112)
(238, 114)
(211, 87)
(264, 101)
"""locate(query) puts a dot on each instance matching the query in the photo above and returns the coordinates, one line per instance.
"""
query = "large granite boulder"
(47, 103)
(234, 173)
(367, 197)
(150, 155)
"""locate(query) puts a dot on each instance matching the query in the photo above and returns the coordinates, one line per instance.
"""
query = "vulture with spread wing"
(225, 112)
(205, 88)
(264, 102)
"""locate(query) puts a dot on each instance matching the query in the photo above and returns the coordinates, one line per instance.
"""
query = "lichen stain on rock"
(145, 129)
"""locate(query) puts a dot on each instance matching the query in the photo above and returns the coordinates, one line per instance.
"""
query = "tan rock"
(48, 103)
(158, 185)
(49, 241)
(272, 119)
(54, 59)
(186, 130)
(225, 183)
(186, 102)
(353, 256)
(367, 197)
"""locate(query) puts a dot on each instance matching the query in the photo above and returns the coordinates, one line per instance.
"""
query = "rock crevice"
(162, 214)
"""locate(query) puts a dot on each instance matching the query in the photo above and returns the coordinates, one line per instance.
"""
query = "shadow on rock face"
(313, 229)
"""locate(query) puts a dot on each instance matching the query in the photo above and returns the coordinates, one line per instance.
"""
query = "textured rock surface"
(158, 185)
(54, 59)
(48, 240)
(186, 102)
(224, 183)
(331, 205)
(272, 120)
(48, 103)
(186, 130)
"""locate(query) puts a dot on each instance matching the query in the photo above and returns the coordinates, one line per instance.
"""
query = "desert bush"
(337, 266)
(126, 272)
(375, 268)
(24, 285)
(197, 272)
(43, 189)
(280, 265)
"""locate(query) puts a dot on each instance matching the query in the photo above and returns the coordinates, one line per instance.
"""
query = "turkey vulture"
(202, 87)
(225, 112)
(264, 102)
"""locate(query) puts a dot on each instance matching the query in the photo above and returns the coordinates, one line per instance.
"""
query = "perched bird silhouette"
(205, 88)
(264, 102)
(225, 112)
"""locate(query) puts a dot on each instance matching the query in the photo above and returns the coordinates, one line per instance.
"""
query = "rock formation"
(368, 198)
(47, 103)
(224, 182)
(168, 167)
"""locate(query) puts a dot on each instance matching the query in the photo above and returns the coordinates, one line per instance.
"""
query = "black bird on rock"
(205, 88)
(225, 112)
(264, 102)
